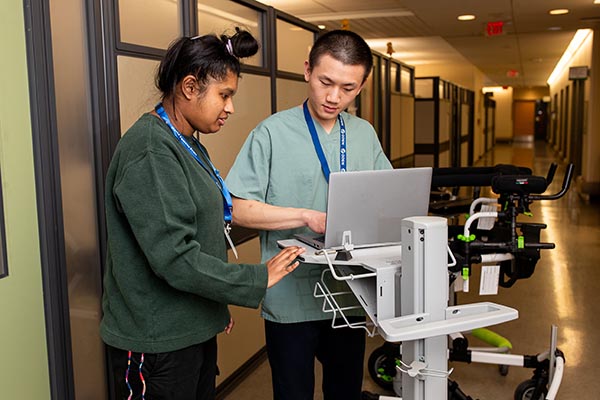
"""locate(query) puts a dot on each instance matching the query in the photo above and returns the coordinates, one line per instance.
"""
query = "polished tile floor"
(564, 290)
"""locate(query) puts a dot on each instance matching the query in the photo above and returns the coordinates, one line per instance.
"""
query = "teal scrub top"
(278, 165)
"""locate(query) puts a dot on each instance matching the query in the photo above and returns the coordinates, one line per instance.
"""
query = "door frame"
(48, 196)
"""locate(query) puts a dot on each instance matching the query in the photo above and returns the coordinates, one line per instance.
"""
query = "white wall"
(504, 113)
(584, 56)
(23, 354)
(465, 75)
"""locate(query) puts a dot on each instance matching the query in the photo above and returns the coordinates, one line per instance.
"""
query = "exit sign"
(494, 28)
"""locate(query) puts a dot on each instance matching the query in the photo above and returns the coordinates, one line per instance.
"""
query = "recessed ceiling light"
(596, 1)
(321, 26)
(556, 28)
(558, 11)
(466, 17)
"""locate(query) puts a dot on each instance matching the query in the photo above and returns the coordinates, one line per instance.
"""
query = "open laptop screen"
(371, 204)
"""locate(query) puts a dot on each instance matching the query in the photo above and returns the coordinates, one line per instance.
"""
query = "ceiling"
(428, 31)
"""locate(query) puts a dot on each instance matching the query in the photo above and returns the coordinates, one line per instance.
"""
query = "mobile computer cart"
(404, 290)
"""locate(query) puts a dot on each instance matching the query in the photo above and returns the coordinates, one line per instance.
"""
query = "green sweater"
(167, 283)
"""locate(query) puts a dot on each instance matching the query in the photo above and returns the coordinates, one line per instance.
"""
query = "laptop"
(370, 205)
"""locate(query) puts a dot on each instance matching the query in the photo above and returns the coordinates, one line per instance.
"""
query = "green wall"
(23, 353)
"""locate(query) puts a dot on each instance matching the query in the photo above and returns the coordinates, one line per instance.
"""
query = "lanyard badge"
(215, 176)
(317, 144)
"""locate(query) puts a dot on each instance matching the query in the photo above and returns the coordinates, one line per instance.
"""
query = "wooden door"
(523, 120)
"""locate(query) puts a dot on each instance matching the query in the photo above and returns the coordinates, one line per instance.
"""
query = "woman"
(167, 283)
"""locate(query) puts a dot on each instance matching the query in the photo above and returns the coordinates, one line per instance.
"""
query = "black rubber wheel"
(526, 389)
(503, 369)
(382, 365)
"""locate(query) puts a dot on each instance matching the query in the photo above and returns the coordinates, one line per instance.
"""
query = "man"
(279, 183)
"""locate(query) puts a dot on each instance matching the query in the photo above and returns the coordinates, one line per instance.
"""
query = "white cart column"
(424, 290)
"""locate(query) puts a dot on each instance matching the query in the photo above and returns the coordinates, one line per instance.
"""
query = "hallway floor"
(564, 290)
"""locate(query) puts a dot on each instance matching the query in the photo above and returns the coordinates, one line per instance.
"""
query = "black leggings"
(186, 374)
(292, 349)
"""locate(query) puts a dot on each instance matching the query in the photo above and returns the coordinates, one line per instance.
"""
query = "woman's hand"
(282, 264)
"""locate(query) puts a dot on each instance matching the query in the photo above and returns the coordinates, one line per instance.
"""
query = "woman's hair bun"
(243, 44)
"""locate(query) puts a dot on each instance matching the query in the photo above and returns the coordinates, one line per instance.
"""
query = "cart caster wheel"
(526, 391)
(503, 369)
(369, 396)
(382, 365)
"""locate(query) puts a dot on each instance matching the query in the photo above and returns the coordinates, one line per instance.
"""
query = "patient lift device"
(405, 291)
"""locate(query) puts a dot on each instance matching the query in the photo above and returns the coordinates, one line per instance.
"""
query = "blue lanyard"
(317, 143)
(227, 203)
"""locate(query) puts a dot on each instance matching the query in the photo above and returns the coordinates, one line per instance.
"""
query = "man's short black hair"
(345, 46)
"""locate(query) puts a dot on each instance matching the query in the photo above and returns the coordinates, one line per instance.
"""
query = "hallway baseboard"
(238, 376)
(588, 190)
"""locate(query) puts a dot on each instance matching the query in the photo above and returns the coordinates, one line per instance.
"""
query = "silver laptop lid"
(371, 204)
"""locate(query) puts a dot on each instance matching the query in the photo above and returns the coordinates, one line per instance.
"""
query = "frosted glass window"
(252, 104)
(465, 112)
(383, 82)
(137, 92)
(407, 126)
(406, 80)
(424, 88)
(464, 154)
(377, 94)
(445, 121)
(402, 126)
(151, 23)
(383, 76)
(293, 45)
(424, 122)
(395, 129)
(290, 93)
(367, 101)
(78, 194)
(394, 82)
(220, 16)
(424, 160)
